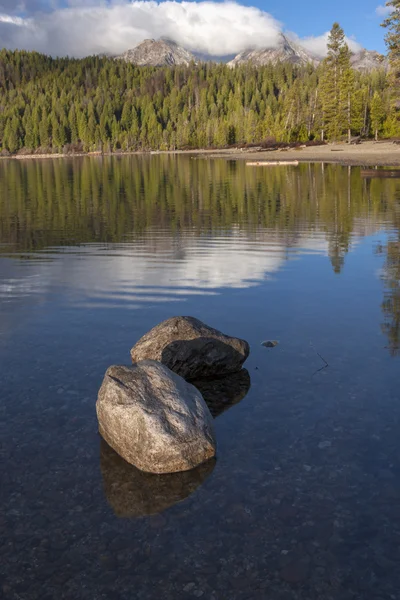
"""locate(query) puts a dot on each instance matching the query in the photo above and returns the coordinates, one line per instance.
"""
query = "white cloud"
(383, 10)
(93, 27)
(12, 20)
(85, 27)
(318, 45)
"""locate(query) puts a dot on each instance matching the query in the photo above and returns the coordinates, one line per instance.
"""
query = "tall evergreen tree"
(392, 38)
(377, 115)
(337, 83)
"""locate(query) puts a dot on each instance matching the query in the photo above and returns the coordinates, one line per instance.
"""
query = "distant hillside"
(102, 104)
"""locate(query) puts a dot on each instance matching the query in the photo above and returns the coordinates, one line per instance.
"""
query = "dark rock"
(154, 419)
(133, 493)
(270, 343)
(192, 349)
(221, 394)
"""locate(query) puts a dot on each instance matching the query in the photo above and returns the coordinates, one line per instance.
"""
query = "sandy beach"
(366, 154)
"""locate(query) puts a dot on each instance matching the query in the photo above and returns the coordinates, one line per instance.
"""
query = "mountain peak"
(165, 52)
(289, 51)
(368, 60)
(286, 50)
(157, 53)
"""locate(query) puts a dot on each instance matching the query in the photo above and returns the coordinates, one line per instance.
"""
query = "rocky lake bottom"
(302, 500)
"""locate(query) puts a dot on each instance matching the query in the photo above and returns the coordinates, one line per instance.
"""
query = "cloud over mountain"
(88, 27)
(318, 44)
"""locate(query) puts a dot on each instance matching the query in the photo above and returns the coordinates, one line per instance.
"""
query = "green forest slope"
(102, 104)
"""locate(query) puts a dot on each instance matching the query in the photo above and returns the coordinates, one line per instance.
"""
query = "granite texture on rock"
(192, 349)
(132, 493)
(154, 419)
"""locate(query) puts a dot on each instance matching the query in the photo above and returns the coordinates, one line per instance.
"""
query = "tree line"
(101, 104)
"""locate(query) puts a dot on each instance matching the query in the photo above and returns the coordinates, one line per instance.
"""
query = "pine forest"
(99, 104)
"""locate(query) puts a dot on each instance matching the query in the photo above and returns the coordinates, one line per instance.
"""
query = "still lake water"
(303, 500)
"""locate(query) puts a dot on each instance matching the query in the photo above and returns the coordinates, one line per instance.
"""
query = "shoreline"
(366, 154)
(382, 154)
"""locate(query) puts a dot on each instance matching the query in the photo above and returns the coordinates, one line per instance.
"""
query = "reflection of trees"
(53, 203)
(391, 279)
(73, 201)
(391, 301)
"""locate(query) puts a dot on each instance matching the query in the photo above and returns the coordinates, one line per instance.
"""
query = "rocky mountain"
(294, 53)
(163, 52)
(285, 51)
(158, 53)
(368, 60)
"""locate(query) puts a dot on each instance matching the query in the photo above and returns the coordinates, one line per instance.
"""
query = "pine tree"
(336, 87)
(377, 115)
(11, 139)
(392, 38)
(346, 91)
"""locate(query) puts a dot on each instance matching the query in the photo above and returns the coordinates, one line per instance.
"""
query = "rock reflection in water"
(133, 493)
(221, 394)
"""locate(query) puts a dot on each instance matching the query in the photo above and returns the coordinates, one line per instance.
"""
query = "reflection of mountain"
(132, 493)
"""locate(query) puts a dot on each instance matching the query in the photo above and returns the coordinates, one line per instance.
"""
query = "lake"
(303, 500)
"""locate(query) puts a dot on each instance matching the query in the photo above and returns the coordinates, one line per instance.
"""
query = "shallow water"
(303, 500)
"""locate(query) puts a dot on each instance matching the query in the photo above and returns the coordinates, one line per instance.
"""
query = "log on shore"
(275, 163)
(381, 173)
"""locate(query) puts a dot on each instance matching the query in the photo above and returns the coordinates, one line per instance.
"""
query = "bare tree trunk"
(288, 117)
(365, 130)
(313, 111)
(349, 118)
(349, 186)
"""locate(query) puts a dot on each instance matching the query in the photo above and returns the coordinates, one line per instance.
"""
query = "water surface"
(303, 499)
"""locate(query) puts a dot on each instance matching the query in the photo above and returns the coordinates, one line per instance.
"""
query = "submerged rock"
(192, 349)
(270, 343)
(221, 394)
(133, 493)
(154, 419)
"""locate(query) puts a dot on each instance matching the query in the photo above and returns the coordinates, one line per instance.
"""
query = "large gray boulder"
(154, 419)
(192, 349)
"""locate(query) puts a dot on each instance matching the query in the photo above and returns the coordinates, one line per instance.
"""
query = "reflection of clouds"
(159, 268)
(198, 265)
(23, 286)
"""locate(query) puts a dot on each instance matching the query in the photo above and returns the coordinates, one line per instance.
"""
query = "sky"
(84, 27)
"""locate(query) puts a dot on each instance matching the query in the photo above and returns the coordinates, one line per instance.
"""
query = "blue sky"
(208, 26)
(313, 17)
